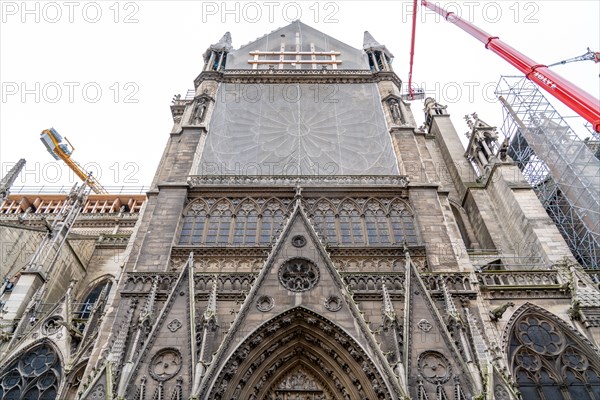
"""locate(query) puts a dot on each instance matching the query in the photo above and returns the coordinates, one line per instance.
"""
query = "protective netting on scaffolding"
(562, 168)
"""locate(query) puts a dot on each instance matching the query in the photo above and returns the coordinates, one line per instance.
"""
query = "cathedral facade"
(303, 239)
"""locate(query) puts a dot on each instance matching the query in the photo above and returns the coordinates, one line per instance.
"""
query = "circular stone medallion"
(298, 275)
(165, 364)
(333, 303)
(298, 241)
(265, 303)
(434, 367)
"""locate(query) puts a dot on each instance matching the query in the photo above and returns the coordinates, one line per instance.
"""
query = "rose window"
(298, 275)
(540, 335)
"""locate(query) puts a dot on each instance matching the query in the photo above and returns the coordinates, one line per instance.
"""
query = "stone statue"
(199, 111)
(503, 150)
(395, 109)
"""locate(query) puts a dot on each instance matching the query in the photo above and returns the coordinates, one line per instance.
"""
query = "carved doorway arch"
(299, 339)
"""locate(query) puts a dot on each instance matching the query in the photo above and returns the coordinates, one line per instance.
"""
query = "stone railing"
(519, 279)
(292, 180)
(372, 283)
(274, 75)
(113, 240)
(142, 282)
(459, 282)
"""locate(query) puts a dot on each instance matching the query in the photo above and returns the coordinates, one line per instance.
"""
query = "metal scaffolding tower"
(563, 170)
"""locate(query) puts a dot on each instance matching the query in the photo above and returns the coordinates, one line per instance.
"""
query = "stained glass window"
(341, 221)
(549, 363)
(34, 375)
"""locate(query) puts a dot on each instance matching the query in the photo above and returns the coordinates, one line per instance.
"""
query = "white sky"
(158, 53)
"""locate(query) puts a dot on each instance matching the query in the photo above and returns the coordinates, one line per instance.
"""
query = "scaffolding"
(563, 170)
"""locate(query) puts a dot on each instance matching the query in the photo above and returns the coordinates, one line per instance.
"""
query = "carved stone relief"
(434, 367)
(165, 364)
(298, 275)
(265, 303)
(174, 325)
(333, 303)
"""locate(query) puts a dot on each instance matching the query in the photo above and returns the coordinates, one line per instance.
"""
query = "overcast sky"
(104, 73)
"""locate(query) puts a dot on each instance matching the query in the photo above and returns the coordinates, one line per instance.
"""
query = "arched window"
(362, 222)
(378, 228)
(226, 222)
(194, 221)
(351, 223)
(324, 217)
(86, 307)
(550, 363)
(246, 219)
(34, 375)
(219, 223)
(403, 223)
(73, 382)
(271, 220)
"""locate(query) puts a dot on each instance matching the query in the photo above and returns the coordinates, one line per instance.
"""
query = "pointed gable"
(293, 38)
(299, 301)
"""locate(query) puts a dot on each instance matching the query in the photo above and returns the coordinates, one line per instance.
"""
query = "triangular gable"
(168, 351)
(430, 353)
(100, 386)
(351, 57)
(299, 275)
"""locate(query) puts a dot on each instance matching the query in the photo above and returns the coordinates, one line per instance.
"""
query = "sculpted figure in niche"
(199, 111)
(395, 110)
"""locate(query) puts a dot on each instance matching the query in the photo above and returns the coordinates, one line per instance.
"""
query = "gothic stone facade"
(303, 238)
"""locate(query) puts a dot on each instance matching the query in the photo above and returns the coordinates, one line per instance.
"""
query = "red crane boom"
(411, 92)
(571, 95)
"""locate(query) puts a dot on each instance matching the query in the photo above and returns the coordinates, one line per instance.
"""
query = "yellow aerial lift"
(62, 149)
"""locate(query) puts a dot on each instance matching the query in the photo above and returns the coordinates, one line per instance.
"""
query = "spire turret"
(215, 56)
(380, 58)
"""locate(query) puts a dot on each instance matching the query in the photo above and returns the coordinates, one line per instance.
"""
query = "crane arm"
(590, 55)
(571, 95)
(75, 167)
(411, 92)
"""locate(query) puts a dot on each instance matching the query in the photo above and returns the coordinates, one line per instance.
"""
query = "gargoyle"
(497, 312)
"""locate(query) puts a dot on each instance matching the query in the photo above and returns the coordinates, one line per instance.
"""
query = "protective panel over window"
(298, 129)
(34, 375)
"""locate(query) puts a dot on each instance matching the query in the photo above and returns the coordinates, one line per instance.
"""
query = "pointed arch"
(245, 224)
(548, 358)
(301, 378)
(379, 229)
(351, 221)
(195, 207)
(96, 291)
(73, 381)
(232, 221)
(194, 223)
(220, 217)
(272, 216)
(247, 205)
(324, 214)
(35, 373)
(295, 338)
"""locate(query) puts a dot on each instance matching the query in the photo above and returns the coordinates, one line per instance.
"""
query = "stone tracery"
(257, 221)
(299, 338)
(549, 362)
(34, 375)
